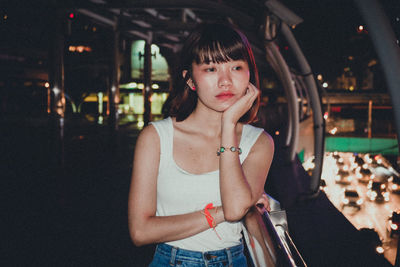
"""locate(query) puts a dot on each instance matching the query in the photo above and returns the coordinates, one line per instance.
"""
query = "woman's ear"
(184, 72)
(189, 82)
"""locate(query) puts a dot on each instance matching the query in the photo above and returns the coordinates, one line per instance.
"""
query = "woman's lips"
(224, 95)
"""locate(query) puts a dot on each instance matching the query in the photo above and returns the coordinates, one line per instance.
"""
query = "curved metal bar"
(283, 71)
(287, 253)
(300, 94)
(315, 103)
(271, 58)
(218, 6)
(303, 85)
(296, 254)
(301, 88)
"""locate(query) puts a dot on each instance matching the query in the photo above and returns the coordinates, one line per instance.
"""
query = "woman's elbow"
(236, 211)
(234, 214)
(138, 237)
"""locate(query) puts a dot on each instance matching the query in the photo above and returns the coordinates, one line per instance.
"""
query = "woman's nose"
(224, 79)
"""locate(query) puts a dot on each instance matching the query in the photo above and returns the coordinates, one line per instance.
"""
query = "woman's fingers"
(250, 96)
(263, 204)
(253, 92)
(238, 109)
(261, 209)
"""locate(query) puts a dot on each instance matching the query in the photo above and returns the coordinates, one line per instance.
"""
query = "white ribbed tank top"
(180, 192)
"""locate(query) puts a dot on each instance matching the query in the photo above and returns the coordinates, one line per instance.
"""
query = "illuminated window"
(158, 62)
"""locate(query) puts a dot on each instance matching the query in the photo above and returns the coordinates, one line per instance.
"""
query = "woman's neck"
(208, 122)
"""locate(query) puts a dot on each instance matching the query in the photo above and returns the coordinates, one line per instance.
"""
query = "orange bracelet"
(210, 219)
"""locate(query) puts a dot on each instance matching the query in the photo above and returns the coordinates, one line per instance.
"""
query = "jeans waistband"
(178, 254)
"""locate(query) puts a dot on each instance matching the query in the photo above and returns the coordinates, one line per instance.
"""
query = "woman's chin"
(225, 107)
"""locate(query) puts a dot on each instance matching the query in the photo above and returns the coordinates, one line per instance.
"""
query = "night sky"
(328, 34)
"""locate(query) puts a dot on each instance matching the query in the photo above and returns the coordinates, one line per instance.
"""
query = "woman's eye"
(210, 69)
(237, 67)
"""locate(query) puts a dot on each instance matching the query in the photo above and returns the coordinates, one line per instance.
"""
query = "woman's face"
(219, 85)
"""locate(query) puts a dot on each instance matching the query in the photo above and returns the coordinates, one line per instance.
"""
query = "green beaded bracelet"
(232, 149)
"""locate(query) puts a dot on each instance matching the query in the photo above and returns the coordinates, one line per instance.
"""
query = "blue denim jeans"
(166, 255)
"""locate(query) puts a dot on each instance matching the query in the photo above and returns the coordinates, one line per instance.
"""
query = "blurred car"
(343, 180)
(382, 174)
(378, 161)
(309, 165)
(364, 175)
(322, 184)
(372, 239)
(340, 161)
(394, 224)
(359, 160)
(351, 198)
(377, 191)
(365, 171)
(343, 177)
(395, 186)
(335, 155)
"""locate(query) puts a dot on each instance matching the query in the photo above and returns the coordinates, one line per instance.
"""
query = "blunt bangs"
(217, 51)
(219, 44)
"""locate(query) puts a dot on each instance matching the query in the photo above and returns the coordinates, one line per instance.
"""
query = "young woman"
(198, 172)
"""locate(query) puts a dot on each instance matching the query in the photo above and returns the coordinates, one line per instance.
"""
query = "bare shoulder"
(148, 131)
(265, 142)
(147, 147)
(148, 137)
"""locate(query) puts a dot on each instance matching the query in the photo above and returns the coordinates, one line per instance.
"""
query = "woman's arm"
(242, 185)
(144, 226)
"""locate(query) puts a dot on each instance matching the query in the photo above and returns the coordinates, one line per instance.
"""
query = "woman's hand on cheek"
(240, 107)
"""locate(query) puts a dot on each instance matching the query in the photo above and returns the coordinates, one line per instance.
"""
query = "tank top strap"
(249, 137)
(165, 131)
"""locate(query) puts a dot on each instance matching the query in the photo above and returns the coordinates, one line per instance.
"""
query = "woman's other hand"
(263, 204)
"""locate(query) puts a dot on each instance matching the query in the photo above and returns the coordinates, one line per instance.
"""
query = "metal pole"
(113, 91)
(147, 91)
(56, 77)
(369, 118)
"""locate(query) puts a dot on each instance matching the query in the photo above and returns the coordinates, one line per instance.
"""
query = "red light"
(71, 15)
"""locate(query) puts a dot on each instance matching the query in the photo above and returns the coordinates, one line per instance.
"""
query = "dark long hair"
(217, 43)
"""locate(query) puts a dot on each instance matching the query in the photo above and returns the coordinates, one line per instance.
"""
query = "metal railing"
(286, 252)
